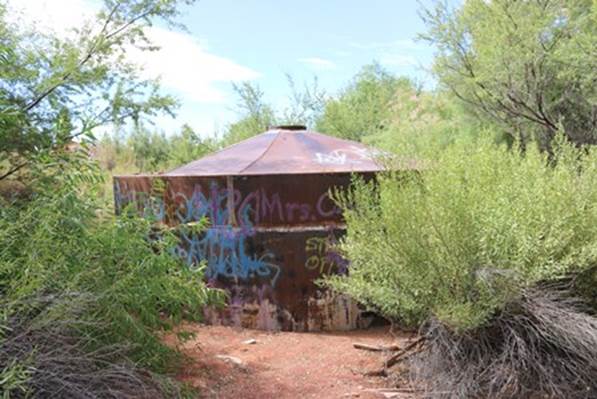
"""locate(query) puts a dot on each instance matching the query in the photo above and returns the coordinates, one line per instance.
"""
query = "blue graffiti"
(150, 207)
(214, 206)
(222, 246)
(225, 252)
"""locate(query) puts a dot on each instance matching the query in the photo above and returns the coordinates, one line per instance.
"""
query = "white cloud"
(183, 63)
(45, 16)
(186, 66)
(317, 63)
(395, 53)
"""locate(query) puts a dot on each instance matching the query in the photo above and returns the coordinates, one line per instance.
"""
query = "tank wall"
(269, 239)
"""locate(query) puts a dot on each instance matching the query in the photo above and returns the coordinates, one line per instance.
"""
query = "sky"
(261, 41)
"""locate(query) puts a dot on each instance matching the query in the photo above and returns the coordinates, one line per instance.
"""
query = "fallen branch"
(376, 373)
(403, 354)
(395, 359)
(391, 390)
(391, 348)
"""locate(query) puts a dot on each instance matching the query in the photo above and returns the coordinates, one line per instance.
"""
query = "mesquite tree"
(531, 66)
(55, 89)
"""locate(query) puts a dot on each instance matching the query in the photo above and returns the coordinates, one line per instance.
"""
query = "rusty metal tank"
(272, 225)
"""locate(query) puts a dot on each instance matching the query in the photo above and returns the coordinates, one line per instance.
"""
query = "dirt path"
(285, 364)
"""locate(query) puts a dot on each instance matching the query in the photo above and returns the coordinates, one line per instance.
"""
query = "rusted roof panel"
(285, 151)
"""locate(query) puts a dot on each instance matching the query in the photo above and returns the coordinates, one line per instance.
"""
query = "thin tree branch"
(14, 170)
(101, 38)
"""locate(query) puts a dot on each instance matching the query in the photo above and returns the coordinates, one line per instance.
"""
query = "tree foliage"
(102, 282)
(143, 150)
(84, 297)
(364, 107)
(528, 65)
(257, 115)
(421, 122)
(54, 90)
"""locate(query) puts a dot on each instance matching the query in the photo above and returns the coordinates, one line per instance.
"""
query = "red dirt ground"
(285, 364)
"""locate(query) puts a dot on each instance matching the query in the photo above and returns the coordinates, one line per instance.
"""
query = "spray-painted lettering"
(322, 256)
(224, 245)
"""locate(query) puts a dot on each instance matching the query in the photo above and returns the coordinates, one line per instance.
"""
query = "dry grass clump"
(52, 357)
(542, 345)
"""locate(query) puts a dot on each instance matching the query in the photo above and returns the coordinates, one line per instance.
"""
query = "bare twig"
(102, 37)
(59, 359)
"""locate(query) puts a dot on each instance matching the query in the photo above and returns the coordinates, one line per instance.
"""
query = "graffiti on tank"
(149, 206)
(254, 208)
(336, 157)
(321, 256)
(268, 207)
(198, 205)
(338, 260)
(316, 248)
(223, 246)
(225, 252)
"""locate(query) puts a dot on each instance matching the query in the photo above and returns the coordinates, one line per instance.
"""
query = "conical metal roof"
(285, 150)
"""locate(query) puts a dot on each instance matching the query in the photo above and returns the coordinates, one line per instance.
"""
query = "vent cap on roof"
(289, 127)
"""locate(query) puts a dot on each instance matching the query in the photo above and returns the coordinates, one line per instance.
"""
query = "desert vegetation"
(489, 251)
(84, 296)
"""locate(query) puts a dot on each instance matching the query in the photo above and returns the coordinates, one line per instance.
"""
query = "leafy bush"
(364, 107)
(88, 294)
(465, 236)
(420, 123)
(256, 115)
(487, 251)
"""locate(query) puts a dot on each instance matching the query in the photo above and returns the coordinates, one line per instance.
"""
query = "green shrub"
(465, 236)
(364, 107)
(100, 281)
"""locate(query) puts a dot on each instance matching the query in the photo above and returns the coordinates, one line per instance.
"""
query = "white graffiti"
(353, 154)
(336, 157)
